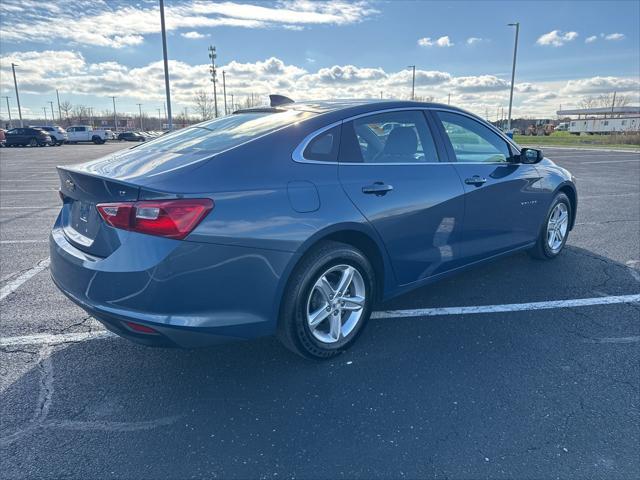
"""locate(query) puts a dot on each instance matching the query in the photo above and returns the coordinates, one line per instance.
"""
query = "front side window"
(390, 137)
(472, 141)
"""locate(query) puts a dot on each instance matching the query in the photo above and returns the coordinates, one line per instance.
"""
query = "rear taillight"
(165, 218)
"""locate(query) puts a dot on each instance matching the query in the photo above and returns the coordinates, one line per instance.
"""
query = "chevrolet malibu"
(295, 219)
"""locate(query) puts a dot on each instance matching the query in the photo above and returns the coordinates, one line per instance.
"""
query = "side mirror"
(531, 155)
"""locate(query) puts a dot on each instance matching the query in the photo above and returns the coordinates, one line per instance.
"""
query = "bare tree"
(252, 100)
(204, 104)
(604, 100)
(588, 102)
(66, 107)
(79, 112)
(423, 98)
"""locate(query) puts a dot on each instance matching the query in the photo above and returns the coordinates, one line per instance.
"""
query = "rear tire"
(555, 229)
(327, 301)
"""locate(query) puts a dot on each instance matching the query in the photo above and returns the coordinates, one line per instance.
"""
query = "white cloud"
(602, 85)
(556, 38)
(102, 23)
(193, 35)
(440, 42)
(88, 83)
(591, 39)
(478, 83)
(444, 42)
(474, 40)
(614, 36)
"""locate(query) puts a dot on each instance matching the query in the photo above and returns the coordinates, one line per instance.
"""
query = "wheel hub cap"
(336, 303)
(557, 227)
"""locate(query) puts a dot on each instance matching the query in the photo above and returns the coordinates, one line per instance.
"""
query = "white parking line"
(611, 161)
(510, 307)
(12, 286)
(3, 242)
(29, 208)
(45, 339)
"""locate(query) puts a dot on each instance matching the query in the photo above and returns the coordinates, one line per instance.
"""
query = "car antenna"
(277, 100)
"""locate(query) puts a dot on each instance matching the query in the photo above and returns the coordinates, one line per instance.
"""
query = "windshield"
(223, 133)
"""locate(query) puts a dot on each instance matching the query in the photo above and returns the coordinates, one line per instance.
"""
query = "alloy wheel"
(336, 303)
(557, 226)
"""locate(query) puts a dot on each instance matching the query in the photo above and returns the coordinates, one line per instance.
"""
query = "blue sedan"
(295, 219)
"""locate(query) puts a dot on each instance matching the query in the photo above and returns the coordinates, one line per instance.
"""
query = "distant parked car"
(34, 137)
(106, 133)
(131, 137)
(86, 133)
(58, 134)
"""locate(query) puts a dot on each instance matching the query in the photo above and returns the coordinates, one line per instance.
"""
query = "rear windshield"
(224, 133)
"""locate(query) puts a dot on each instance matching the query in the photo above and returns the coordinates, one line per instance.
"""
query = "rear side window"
(225, 132)
(324, 147)
(390, 137)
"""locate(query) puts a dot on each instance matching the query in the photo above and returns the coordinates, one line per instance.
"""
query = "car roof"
(348, 107)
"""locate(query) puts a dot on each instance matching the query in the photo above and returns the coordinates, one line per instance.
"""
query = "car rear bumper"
(191, 294)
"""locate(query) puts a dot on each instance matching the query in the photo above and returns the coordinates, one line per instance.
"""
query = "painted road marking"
(8, 242)
(511, 307)
(45, 339)
(30, 208)
(611, 161)
(12, 286)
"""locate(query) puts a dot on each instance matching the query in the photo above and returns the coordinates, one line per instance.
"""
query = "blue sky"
(91, 50)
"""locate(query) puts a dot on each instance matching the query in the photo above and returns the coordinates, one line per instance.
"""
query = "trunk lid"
(81, 223)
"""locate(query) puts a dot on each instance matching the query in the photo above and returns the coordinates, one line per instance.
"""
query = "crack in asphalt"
(45, 400)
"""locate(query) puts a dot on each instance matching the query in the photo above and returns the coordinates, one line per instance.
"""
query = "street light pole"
(59, 109)
(9, 112)
(115, 116)
(513, 72)
(44, 109)
(159, 119)
(212, 70)
(224, 90)
(413, 82)
(166, 65)
(52, 116)
(140, 109)
(15, 84)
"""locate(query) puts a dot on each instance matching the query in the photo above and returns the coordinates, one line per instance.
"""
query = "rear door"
(502, 200)
(390, 169)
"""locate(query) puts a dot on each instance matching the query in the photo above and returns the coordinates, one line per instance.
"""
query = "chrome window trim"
(297, 154)
(298, 157)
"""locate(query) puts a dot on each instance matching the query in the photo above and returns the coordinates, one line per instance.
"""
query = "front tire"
(327, 302)
(555, 230)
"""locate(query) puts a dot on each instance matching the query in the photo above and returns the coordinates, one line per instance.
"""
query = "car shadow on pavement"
(519, 394)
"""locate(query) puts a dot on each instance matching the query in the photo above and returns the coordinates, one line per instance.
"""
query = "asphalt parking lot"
(546, 390)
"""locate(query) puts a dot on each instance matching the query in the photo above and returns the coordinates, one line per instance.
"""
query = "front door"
(503, 203)
(390, 169)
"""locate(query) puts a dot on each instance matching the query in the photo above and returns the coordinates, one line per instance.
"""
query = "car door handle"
(475, 180)
(378, 188)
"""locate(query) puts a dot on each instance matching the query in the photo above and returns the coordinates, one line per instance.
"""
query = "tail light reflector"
(165, 218)
(139, 328)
